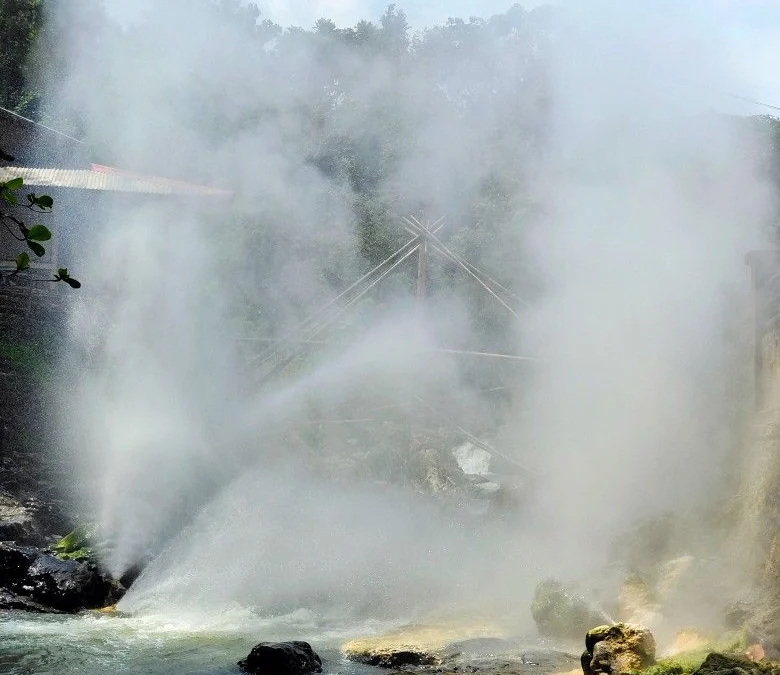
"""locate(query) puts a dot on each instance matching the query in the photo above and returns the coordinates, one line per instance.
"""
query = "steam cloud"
(647, 201)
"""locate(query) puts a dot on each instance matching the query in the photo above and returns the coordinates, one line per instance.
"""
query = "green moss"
(685, 663)
(680, 664)
(75, 545)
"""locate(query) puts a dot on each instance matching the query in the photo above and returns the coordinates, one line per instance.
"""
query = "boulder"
(281, 658)
(561, 613)
(618, 649)
(29, 574)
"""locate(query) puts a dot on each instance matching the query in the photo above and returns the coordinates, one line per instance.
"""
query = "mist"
(576, 155)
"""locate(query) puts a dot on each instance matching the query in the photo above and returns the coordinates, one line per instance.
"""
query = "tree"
(20, 25)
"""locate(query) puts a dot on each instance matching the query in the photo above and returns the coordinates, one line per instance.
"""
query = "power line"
(747, 99)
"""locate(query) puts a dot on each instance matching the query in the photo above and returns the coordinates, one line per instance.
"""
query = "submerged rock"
(561, 613)
(281, 658)
(446, 644)
(29, 575)
(619, 649)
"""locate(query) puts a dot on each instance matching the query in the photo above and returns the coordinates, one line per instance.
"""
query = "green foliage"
(75, 545)
(21, 22)
(33, 235)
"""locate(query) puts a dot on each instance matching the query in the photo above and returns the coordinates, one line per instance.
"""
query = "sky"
(749, 28)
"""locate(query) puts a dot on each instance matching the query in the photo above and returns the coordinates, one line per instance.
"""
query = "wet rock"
(27, 573)
(394, 657)
(619, 649)
(10, 600)
(561, 613)
(281, 658)
(17, 521)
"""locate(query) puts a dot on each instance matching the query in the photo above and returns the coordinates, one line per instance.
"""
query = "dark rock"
(281, 658)
(10, 600)
(61, 585)
(67, 585)
(585, 660)
(14, 563)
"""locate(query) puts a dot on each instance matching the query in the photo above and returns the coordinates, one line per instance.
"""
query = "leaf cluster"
(33, 235)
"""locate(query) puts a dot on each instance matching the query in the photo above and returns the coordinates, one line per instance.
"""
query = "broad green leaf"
(44, 201)
(9, 197)
(39, 233)
(36, 248)
(15, 183)
(22, 261)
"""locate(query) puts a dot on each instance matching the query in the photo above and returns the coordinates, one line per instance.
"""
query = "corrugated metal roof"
(105, 179)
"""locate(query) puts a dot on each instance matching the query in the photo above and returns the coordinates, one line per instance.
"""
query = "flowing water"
(92, 644)
(103, 644)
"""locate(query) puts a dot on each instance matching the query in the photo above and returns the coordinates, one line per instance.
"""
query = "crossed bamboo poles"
(280, 353)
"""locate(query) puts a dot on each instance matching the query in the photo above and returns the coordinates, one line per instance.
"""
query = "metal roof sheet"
(104, 179)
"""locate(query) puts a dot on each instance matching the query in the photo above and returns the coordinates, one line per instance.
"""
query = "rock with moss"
(618, 649)
(730, 664)
(561, 613)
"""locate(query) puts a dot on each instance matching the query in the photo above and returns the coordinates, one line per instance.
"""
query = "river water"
(104, 644)
(95, 644)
